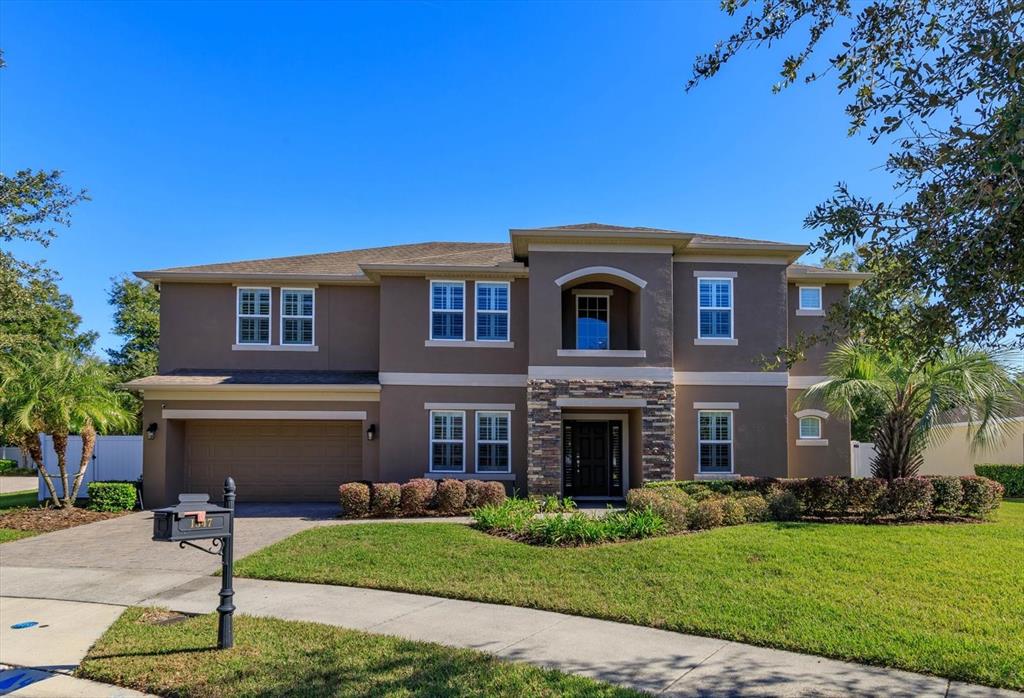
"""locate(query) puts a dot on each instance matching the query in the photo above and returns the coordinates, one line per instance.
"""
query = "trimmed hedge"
(355, 499)
(1009, 475)
(417, 497)
(385, 499)
(112, 496)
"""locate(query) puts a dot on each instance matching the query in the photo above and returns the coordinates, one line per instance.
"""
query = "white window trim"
(608, 325)
(730, 441)
(800, 297)
(460, 413)
(476, 312)
(731, 309)
(312, 319)
(800, 431)
(239, 315)
(430, 305)
(476, 446)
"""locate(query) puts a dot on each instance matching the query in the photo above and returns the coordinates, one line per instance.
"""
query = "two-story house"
(580, 360)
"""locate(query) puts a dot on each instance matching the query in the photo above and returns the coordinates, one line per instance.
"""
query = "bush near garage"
(112, 496)
(1009, 475)
(355, 499)
(418, 497)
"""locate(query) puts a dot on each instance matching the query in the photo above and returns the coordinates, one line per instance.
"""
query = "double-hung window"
(714, 437)
(447, 441)
(297, 316)
(493, 442)
(253, 316)
(592, 322)
(447, 310)
(492, 311)
(810, 427)
(810, 298)
(714, 306)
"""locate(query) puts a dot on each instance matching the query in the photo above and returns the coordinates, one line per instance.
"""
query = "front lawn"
(25, 498)
(147, 650)
(939, 598)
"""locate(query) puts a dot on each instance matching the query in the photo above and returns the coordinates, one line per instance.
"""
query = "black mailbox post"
(194, 518)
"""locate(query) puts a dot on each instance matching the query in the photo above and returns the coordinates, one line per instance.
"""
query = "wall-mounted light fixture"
(371, 432)
(151, 431)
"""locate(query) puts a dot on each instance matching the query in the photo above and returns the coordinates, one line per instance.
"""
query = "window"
(714, 304)
(447, 303)
(253, 325)
(591, 322)
(447, 442)
(810, 427)
(492, 311)
(297, 316)
(492, 442)
(810, 298)
(714, 436)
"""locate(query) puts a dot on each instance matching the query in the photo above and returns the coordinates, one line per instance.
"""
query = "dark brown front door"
(592, 458)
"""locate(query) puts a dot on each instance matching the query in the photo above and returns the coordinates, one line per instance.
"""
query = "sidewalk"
(656, 661)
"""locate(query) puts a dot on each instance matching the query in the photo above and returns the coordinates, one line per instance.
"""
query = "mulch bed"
(44, 520)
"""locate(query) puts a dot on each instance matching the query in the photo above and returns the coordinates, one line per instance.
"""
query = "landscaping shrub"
(947, 494)
(583, 529)
(1009, 475)
(553, 503)
(707, 513)
(670, 503)
(355, 499)
(784, 505)
(385, 499)
(492, 492)
(981, 495)
(473, 490)
(907, 498)
(755, 508)
(862, 495)
(112, 496)
(824, 496)
(733, 513)
(417, 496)
(451, 497)
(509, 516)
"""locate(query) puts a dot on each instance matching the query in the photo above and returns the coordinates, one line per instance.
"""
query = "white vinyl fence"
(861, 455)
(114, 458)
(14, 453)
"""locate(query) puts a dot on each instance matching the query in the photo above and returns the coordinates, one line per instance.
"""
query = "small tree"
(60, 393)
(914, 392)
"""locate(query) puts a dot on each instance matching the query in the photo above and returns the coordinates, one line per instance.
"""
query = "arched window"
(810, 427)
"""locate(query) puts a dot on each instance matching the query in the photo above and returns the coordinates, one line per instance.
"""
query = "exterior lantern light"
(371, 432)
(151, 431)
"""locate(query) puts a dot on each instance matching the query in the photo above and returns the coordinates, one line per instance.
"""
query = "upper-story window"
(253, 316)
(714, 305)
(810, 298)
(492, 311)
(297, 316)
(592, 322)
(447, 309)
(810, 427)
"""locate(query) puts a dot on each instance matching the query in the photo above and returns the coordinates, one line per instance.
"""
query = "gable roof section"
(811, 273)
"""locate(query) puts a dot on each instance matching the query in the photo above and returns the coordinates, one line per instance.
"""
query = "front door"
(592, 458)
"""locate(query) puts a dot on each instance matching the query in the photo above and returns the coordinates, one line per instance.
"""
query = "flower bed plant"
(417, 497)
(521, 519)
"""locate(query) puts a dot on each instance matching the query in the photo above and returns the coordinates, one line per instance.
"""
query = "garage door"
(277, 461)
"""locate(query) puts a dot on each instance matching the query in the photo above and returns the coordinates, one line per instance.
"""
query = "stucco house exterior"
(580, 360)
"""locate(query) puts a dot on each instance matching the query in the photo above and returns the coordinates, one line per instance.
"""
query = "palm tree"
(971, 383)
(60, 393)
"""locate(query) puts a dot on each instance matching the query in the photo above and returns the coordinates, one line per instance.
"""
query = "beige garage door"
(285, 461)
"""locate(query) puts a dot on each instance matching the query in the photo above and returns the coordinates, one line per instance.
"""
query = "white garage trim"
(264, 414)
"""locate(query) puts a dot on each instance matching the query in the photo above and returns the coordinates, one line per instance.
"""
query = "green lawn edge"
(23, 498)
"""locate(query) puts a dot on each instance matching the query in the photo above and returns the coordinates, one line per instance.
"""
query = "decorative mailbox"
(192, 518)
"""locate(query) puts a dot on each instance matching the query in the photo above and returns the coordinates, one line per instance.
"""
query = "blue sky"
(212, 132)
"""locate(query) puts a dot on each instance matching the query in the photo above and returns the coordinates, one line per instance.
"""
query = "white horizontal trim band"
(274, 347)
(624, 373)
(715, 274)
(810, 313)
(320, 415)
(804, 382)
(730, 378)
(584, 247)
(468, 344)
(715, 342)
(716, 405)
(600, 402)
(482, 380)
(605, 353)
(812, 442)
(501, 406)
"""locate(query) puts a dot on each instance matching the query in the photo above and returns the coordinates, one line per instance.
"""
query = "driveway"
(18, 484)
(115, 561)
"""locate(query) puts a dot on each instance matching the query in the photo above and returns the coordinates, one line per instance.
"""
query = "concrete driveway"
(18, 484)
(114, 561)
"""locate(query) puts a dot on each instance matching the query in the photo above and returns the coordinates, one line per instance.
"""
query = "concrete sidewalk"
(655, 661)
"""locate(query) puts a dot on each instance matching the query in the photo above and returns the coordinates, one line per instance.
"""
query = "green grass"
(9, 534)
(286, 658)
(25, 498)
(944, 599)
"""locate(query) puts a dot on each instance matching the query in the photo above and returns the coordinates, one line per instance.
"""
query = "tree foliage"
(33, 203)
(137, 320)
(943, 81)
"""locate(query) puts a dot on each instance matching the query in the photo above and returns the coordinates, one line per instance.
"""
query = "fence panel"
(114, 458)
(861, 455)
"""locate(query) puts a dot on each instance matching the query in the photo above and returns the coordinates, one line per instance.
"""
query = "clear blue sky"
(212, 132)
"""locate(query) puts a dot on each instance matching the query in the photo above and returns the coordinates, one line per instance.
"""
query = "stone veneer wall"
(544, 427)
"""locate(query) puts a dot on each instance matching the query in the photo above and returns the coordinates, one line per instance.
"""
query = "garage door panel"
(273, 461)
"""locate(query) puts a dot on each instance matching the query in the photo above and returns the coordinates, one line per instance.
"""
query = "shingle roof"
(697, 237)
(203, 378)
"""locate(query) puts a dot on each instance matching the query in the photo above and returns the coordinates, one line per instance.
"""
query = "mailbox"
(192, 518)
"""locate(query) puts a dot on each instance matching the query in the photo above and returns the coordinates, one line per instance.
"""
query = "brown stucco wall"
(817, 461)
(197, 330)
(759, 428)
(405, 326)
(814, 355)
(623, 312)
(655, 312)
(759, 317)
(405, 427)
